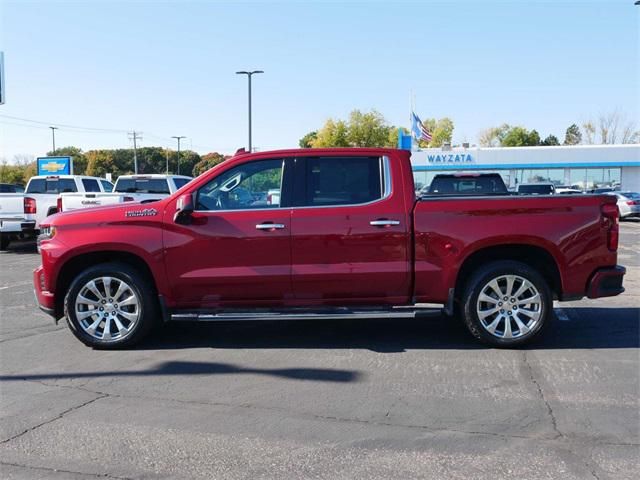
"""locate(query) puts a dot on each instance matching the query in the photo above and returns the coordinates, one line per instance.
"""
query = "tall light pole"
(53, 133)
(178, 138)
(249, 75)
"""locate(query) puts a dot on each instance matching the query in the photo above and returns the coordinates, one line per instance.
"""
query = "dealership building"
(581, 166)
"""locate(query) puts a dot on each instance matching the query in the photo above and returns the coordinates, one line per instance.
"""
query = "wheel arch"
(74, 265)
(534, 256)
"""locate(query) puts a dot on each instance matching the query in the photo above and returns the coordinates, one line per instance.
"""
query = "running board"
(301, 315)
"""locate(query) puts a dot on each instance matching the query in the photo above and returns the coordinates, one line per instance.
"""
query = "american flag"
(420, 132)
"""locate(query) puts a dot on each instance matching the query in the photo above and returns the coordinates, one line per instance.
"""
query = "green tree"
(520, 137)
(392, 140)
(207, 162)
(551, 140)
(308, 139)
(332, 134)
(573, 136)
(101, 162)
(492, 137)
(441, 132)
(367, 129)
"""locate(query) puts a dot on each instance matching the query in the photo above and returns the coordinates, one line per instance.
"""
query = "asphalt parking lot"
(356, 399)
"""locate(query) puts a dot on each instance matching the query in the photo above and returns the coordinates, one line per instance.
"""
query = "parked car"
(535, 189)
(467, 184)
(14, 223)
(348, 239)
(128, 188)
(604, 190)
(43, 191)
(628, 203)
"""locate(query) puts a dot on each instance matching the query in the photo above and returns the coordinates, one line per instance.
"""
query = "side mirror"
(184, 209)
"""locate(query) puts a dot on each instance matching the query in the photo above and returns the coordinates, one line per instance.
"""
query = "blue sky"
(167, 68)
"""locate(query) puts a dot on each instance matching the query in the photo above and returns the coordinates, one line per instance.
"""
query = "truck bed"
(448, 230)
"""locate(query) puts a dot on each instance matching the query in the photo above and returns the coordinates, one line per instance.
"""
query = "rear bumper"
(606, 282)
(44, 299)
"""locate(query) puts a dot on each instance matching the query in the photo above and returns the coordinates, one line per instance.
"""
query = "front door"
(237, 250)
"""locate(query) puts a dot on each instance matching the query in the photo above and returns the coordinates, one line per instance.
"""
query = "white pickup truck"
(43, 192)
(128, 188)
(13, 221)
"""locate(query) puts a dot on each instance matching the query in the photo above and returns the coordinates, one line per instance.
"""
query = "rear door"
(349, 232)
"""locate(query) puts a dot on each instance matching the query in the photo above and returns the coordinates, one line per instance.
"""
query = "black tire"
(480, 280)
(4, 241)
(138, 283)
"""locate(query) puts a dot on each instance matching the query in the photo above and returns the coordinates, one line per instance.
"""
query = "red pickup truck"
(324, 233)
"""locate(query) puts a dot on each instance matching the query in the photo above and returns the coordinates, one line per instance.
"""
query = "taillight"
(610, 214)
(59, 204)
(633, 202)
(29, 205)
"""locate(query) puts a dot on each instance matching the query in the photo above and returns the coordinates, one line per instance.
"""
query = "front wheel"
(507, 304)
(110, 305)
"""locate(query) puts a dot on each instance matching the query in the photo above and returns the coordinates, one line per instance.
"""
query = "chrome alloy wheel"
(107, 308)
(509, 306)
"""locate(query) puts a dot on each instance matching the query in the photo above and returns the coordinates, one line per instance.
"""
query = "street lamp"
(53, 133)
(249, 75)
(178, 138)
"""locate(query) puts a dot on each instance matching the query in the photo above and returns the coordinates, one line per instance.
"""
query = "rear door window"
(90, 185)
(342, 181)
(52, 185)
(142, 185)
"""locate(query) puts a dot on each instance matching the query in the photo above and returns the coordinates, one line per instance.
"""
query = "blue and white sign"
(55, 166)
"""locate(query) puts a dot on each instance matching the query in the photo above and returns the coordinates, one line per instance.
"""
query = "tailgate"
(11, 206)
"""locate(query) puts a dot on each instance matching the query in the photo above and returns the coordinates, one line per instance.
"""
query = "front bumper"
(44, 299)
(606, 282)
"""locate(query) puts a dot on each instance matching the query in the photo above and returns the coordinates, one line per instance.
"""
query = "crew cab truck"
(346, 238)
(128, 188)
(43, 191)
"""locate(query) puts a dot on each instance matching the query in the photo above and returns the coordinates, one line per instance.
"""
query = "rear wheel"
(507, 304)
(110, 306)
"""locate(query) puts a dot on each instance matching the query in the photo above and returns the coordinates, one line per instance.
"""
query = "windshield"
(142, 185)
(51, 185)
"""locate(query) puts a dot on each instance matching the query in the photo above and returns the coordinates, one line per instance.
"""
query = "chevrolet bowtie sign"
(55, 166)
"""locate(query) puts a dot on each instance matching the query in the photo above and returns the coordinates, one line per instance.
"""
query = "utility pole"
(135, 136)
(53, 133)
(249, 75)
(167, 154)
(178, 138)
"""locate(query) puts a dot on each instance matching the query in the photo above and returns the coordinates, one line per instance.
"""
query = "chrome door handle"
(384, 222)
(269, 226)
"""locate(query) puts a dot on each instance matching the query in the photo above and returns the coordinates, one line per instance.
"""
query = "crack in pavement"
(57, 470)
(532, 378)
(426, 428)
(57, 417)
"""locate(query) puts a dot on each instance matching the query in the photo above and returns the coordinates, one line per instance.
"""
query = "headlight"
(46, 232)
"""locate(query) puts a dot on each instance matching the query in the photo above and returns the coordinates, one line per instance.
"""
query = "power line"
(112, 130)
